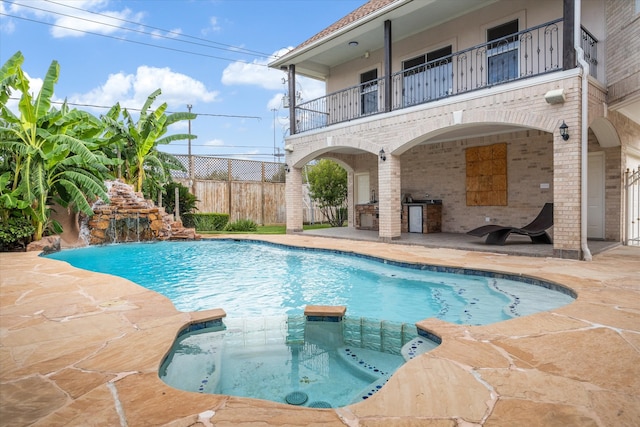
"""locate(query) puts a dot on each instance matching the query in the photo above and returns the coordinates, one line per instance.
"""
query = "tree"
(49, 153)
(138, 142)
(328, 187)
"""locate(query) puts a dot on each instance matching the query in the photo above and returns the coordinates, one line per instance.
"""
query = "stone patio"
(81, 348)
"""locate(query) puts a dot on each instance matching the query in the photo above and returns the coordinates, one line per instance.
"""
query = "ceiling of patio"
(338, 47)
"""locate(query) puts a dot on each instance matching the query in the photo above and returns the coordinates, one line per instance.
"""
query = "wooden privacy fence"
(244, 189)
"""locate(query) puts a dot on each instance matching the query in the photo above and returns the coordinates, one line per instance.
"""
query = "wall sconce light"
(383, 156)
(564, 131)
(287, 169)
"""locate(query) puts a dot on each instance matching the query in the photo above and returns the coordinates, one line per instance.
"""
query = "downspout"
(584, 136)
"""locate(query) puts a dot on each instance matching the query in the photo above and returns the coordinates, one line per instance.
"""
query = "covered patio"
(515, 244)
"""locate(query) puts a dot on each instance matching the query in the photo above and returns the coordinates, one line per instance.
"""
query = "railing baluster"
(528, 53)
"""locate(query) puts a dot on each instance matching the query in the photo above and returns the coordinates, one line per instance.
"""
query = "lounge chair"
(536, 230)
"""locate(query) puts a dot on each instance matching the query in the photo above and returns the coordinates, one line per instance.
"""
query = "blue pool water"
(289, 360)
(249, 279)
(264, 350)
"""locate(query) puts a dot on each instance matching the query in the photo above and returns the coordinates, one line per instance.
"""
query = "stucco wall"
(474, 24)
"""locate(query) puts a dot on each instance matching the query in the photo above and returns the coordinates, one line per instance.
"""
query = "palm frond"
(76, 197)
(179, 116)
(176, 137)
(43, 100)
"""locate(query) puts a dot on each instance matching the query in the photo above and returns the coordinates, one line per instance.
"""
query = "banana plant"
(139, 141)
(52, 153)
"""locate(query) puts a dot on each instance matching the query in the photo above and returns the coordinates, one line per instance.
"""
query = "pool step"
(371, 389)
(370, 364)
(416, 347)
(377, 367)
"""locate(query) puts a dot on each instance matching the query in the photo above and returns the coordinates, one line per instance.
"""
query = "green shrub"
(242, 225)
(186, 199)
(205, 221)
(15, 233)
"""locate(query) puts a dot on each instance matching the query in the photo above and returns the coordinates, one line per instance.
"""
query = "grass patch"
(269, 229)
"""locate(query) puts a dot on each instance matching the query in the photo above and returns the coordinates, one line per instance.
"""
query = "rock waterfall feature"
(129, 217)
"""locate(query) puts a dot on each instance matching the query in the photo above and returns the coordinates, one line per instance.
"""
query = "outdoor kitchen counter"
(422, 216)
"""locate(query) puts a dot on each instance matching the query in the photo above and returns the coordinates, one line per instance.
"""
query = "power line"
(231, 47)
(220, 147)
(220, 154)
(228, 48)
(76, 104)
(131, 41)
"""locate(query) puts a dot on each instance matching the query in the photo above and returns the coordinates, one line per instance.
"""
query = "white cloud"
(214, 143)
(257, 73)
(87, 22)
(117, 88)
(177, 88)
(132, 90)
(310, 88)
(72, 18)
(276, 102)
(214, 27)
(35, 84)
(7, 25)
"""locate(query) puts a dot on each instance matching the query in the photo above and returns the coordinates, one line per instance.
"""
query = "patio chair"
(536, 230)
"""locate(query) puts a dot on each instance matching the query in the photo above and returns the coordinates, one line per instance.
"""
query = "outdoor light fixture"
(564, 131)
(353, 43)
(287, 169)
(383, 156)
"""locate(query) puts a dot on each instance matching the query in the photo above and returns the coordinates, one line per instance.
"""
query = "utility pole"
(189, 154)
(274, 134)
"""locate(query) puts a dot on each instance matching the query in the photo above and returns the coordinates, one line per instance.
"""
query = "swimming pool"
(255, 281)
(249, 279)
(288, 359)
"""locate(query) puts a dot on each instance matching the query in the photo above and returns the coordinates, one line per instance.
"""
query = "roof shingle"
(364, 10)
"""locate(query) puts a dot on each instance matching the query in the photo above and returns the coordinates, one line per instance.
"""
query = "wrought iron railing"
(589, 45)
(532, 52)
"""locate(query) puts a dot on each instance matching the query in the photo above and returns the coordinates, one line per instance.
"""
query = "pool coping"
(90, 350)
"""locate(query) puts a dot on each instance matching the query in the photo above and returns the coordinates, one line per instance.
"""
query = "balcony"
(531, 52)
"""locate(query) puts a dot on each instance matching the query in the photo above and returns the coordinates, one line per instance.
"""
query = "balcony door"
(502, 53)
(427, 77)
(369, 92)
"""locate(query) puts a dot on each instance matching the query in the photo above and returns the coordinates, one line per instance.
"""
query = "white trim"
(521, 16)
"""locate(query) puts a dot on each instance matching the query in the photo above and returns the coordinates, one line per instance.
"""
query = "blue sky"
(126, 49)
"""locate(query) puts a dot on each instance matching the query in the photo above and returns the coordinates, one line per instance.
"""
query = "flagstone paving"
(81, 348)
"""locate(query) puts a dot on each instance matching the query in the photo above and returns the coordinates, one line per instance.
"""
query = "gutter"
(584, 136)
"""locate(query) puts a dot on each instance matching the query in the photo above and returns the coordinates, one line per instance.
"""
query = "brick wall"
(440, 171)
(623, 45)
(294, 200)
(535, 156)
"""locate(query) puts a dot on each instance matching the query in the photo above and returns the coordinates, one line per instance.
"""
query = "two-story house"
(457, 114)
